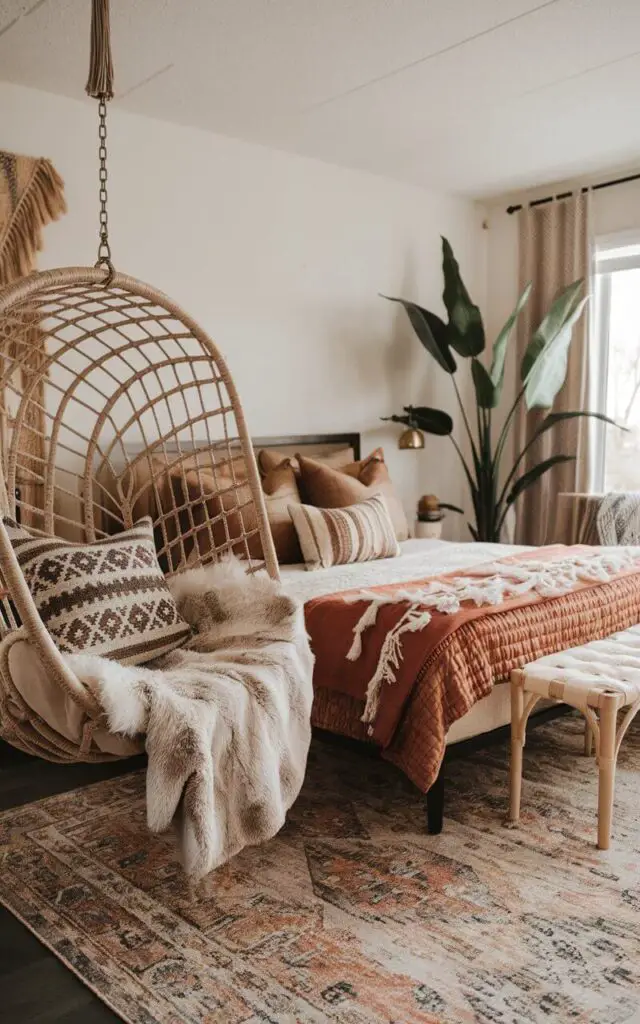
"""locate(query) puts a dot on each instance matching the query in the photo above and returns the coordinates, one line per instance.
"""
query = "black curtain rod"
(567, 195)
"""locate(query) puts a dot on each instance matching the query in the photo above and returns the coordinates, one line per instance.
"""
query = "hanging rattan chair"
(116, 403)
(128, 394)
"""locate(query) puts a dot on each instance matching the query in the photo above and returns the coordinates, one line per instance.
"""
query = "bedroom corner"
(320, 512)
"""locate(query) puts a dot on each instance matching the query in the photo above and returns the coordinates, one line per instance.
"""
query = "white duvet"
(418, 560)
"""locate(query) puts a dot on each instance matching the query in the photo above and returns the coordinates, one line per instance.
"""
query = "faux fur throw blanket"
(226, 718)
(619, 518)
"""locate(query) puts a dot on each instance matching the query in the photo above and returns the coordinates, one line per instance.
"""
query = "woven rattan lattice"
(115, 397)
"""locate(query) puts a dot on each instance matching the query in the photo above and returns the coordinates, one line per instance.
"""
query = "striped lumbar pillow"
(108, 598)
(336, 536)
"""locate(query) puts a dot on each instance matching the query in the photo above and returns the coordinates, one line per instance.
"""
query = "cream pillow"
(338, 536)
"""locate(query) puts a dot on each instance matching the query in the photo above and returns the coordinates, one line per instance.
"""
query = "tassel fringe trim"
(100, 80)
(491, 585)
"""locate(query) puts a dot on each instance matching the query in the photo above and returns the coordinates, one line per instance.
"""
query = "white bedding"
(418, 559)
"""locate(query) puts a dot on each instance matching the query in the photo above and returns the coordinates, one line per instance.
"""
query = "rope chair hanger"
(133, 390)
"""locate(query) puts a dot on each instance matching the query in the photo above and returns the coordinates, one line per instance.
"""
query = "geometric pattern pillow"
(338, 536)
(108, 598)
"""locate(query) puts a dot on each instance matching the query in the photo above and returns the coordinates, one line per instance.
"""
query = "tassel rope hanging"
(100, 80)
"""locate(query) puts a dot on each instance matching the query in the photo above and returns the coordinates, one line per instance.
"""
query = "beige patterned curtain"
(554, 252)
(31, 195)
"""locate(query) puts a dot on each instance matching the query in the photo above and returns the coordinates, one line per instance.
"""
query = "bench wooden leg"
(517, 743)
(607, 769)
(588, 738)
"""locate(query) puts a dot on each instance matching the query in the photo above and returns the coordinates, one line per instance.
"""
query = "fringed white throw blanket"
(226, 718)
(487, 585)
(619, 518)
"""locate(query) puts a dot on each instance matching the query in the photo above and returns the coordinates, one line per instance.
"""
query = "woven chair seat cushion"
(31, 687)
(581, 675)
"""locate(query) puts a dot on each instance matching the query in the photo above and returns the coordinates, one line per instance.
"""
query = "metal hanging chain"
(100, 87)
(104, 249)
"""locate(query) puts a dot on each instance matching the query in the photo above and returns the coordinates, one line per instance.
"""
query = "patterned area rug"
(352, 914)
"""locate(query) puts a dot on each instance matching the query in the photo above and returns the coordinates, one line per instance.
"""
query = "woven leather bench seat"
(600, 679)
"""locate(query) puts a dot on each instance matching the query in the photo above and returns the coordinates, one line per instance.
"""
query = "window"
(617, 335)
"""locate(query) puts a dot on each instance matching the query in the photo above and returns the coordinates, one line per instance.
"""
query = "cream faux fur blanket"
(226, 718)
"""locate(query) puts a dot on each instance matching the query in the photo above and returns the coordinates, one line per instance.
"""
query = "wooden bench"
(600, 679)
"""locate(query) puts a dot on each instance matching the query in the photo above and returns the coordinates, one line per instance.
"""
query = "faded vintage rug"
(352, 914)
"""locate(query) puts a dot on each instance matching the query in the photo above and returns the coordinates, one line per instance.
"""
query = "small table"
(599, 679)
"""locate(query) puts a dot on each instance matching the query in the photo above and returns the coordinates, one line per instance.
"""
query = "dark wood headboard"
(313, 444)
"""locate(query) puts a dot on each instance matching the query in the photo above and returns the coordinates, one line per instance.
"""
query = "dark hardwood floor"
(35, 987)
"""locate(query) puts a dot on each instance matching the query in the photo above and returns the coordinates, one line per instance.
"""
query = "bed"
(459, 690)
(418, 559)
(594, 611)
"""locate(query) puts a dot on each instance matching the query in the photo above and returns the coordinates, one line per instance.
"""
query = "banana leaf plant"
(542, 374)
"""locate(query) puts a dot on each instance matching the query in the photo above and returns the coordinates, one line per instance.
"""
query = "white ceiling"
(472, 96)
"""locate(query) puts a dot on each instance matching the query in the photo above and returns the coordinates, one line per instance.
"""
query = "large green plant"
(542, 375)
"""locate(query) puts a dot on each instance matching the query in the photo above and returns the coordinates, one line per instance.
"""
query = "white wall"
(280, 258)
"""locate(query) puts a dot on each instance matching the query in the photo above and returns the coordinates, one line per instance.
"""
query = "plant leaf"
(474, 533)
(432, 332)
(451, 508)
(466, 330)
(534, 474)
(544, 366)
(552, 418)
(559, 310)
(485, 390)
(499, 354)
(432, 421)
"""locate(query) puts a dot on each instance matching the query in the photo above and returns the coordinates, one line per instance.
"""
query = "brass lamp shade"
(411, 438)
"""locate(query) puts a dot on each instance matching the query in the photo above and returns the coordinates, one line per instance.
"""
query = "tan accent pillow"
(108, 598)
(280, 491)
(325, 487)
(360, 533)
(270, 458)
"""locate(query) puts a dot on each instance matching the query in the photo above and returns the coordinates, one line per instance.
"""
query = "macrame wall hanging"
(31, 196)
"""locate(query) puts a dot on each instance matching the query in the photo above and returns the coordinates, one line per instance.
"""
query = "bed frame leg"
(435, 806)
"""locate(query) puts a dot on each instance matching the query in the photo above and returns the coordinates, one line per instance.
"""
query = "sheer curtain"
(554, 251)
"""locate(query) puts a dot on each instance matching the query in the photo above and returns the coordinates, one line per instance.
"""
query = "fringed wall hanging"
(31, 196)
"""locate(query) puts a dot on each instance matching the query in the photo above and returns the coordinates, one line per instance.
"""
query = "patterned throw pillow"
(108, 598)
(326, 487)
(337, 536)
